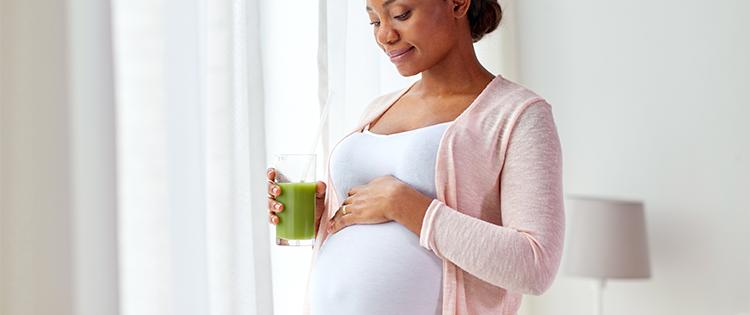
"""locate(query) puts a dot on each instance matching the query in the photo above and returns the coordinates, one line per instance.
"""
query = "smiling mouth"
(395, 54)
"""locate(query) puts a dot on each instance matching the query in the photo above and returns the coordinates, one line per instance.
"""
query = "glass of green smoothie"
(296, 178)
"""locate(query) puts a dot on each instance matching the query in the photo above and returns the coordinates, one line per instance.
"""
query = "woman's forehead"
(377, 5)
(373, 5)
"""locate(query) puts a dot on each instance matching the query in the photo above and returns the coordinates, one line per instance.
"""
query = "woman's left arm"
(524, 253)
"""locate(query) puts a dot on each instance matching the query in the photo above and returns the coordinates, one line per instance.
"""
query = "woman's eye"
(403, 16)
(375, 23)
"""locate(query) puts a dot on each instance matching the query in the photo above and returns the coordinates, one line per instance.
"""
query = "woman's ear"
(460, 7)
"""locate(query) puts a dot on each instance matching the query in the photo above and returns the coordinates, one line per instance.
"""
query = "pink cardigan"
(498, 220)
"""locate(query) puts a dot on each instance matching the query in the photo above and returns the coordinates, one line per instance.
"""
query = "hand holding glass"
(292, 199)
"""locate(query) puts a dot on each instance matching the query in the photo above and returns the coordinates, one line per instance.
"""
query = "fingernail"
(277, 206)
(275, 190)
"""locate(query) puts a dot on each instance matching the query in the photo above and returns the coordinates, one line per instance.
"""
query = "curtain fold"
(191, 158)
(259, 257)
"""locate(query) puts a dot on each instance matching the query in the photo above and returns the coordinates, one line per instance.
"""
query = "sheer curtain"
(193, 238)
(132, 155)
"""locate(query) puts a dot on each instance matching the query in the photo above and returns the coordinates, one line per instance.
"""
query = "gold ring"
(343, 210)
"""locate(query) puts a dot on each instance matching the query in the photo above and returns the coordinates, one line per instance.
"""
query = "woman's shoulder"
(500, 104)
(504, 94)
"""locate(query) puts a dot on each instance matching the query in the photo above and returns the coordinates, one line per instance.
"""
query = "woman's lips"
(399, 54)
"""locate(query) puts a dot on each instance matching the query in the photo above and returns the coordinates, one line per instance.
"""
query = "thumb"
(320, 194)
(320, 190)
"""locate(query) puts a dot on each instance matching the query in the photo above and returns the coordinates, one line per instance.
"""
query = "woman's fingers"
(275, 206)
(340, 220)
(320, 190)
(338, 223)
(273, 190)
(353, 190)
(332, 222)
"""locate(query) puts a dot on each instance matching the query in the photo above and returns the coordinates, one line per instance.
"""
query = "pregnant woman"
(447, 196)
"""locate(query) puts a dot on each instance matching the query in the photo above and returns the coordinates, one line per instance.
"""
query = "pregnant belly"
(375, 269)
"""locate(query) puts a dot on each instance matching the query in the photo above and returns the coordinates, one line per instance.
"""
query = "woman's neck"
(458, 73)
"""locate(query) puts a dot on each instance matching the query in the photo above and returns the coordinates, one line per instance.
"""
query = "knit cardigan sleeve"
(523, 254)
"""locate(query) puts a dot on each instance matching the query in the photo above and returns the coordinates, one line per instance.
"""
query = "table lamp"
(606, 240)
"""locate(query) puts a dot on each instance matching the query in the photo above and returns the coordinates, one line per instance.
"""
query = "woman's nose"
(387, 35)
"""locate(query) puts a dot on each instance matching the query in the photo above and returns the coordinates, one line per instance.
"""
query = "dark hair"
(484, 17)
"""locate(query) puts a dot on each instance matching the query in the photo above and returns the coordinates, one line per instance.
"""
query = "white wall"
(652, 102)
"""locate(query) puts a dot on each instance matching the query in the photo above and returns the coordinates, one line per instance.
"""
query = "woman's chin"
(407, 71)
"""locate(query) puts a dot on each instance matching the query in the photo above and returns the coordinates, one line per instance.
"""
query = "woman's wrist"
(410, 208)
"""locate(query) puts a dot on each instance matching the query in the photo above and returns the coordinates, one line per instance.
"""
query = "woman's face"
(415, 34)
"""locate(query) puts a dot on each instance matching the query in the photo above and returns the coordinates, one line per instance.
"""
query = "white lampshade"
(606, 239)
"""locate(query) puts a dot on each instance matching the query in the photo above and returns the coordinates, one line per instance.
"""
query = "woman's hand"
(381, 200)
(276, 207)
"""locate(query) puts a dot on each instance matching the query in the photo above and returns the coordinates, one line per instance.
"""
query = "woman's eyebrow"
(385, 4)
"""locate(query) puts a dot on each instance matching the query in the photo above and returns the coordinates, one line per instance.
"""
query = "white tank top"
(376, 269)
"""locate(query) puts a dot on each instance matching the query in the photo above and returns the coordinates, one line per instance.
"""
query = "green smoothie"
(297, 220)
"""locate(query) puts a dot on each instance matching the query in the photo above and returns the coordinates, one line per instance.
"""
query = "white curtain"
(132, 155)
(193, 235)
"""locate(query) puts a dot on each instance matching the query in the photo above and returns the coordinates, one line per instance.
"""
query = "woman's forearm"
(412, 206)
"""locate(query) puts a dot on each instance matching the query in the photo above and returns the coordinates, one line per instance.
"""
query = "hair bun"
(484, 17)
